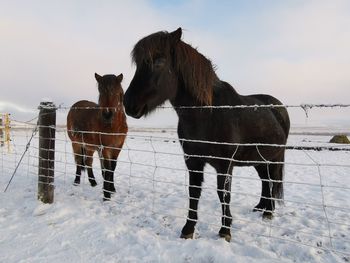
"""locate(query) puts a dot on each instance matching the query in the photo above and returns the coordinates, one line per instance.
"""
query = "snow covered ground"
(143, 221)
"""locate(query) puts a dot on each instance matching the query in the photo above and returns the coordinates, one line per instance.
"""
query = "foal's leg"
(266, 203)
(113, 166)
(224, 179)
(88, 162)
(109, 163)
(77, 175)
(79, 161)
(107, 179)
(195, 167)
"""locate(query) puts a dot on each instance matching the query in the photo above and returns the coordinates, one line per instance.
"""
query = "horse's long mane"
(195, 70)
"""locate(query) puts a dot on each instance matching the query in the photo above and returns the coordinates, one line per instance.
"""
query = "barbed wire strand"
(20, 160)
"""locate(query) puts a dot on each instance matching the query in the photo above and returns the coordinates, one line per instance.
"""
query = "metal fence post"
(47, 129)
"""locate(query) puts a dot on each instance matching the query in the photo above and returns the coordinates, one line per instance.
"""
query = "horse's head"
(110, 95)
(155, 79)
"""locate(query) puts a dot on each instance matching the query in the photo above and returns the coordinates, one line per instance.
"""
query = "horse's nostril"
(107, 115)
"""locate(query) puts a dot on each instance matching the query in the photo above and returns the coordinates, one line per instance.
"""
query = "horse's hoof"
(105, 199)
(187, 236)
(76, 183)
(258, 209)
(267, 215)
(227, 237)
(93, 183)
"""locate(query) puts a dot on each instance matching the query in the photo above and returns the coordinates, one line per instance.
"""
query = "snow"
(143, 221)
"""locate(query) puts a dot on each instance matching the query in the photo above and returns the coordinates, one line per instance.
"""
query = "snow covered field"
(143, 221)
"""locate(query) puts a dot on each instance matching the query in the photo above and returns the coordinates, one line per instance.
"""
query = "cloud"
(8, 106)
(298, 51)
(295, 50)
(56, 55)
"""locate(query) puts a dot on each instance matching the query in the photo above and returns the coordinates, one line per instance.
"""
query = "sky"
(295, 50)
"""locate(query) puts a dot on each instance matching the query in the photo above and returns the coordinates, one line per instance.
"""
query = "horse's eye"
(159, 63)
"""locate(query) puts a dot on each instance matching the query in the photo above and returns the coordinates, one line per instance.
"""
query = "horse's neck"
(183, 103)
(223, 94)
(184, 98)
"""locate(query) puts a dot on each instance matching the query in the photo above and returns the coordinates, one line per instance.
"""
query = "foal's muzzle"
(107, 115)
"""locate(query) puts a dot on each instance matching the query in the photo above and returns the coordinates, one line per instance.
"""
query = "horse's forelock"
(196, 71)
(145, 49)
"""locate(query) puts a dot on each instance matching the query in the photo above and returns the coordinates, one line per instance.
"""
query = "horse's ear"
(176, 35)
(97, 77)
(120, 77)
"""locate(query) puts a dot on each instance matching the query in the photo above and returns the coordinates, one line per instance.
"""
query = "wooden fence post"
(2, 139)
(47, 129)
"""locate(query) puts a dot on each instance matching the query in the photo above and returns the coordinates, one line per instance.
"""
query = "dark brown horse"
(99, 127)
(169, 69)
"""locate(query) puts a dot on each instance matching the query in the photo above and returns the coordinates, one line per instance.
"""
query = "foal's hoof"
(187, 236)
(225, 233)
(105, 199)
(227, 237)
(76, 183)
(93, 183)
(267, 215)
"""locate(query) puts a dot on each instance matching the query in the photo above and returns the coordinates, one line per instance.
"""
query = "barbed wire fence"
(151, 177)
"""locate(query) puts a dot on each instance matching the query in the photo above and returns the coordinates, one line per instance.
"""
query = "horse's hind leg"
(224, 192)
(195, 167)
(271, 182)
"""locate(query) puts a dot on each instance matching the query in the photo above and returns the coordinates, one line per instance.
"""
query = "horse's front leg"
(88, 162)
(113, 164)
(79, 161)
(109, 165)
(107, 174)
(224, 192)
(195, 167)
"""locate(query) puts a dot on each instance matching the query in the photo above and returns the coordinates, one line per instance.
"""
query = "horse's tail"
(277, 189)
(80, 158)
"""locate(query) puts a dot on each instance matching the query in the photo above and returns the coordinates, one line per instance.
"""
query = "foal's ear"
(176, 35)
(120, 77)
(98, 77)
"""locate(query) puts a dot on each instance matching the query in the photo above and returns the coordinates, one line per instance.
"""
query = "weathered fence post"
(2, 139)
(47, 129)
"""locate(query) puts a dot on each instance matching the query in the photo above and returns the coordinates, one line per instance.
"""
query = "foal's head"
(110, 95)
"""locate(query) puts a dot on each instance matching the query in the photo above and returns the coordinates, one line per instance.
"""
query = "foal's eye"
(159, 63)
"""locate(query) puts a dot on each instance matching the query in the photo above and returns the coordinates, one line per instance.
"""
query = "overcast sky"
(298, 51)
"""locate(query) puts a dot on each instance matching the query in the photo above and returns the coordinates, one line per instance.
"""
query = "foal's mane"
(195, 70)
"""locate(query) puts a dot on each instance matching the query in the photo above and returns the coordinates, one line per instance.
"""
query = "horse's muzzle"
(133, 110)
(136, 113)
(107, 116)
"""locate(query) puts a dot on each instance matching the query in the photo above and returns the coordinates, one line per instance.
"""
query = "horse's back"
(280, 113)
(237, 125)
(82, 106)
(80, 118)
